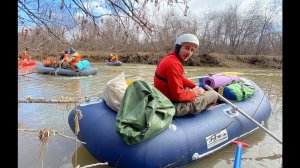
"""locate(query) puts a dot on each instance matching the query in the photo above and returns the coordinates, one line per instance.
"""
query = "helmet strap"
(177, 49)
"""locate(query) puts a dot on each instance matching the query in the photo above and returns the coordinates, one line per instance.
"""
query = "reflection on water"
(264, 151)
(26, 69)
(82, 157)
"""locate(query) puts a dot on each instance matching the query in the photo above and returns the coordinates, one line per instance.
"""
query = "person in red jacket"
(25, 56)
(185, 95)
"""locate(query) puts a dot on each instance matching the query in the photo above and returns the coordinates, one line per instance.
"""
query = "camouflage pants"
(198, 105)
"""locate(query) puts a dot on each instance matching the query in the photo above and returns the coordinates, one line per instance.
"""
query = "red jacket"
(171, 69)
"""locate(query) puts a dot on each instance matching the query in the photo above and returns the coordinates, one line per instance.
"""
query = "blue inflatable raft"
(66, 72)
(187, 139)
(112, 63)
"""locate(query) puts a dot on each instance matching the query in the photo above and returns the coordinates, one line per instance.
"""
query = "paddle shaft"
(225, 73)
(246, 115)
(195, 77)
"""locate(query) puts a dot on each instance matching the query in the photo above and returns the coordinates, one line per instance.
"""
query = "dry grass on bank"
(263, 61)
(213, 59)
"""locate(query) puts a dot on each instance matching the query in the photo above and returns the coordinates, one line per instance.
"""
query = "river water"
(62, 152)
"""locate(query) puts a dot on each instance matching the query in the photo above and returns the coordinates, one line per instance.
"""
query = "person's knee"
(182, 109)
(180, 112)
(210, 96)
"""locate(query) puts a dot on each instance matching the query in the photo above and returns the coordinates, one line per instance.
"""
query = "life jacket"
(115, 58)
(25, 56)
(48, 63)
(72, 58)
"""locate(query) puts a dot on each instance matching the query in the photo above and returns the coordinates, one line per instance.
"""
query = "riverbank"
(213, 59)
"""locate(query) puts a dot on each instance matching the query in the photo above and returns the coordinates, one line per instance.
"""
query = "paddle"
(246, 115)
(224, 73)
(238, 153)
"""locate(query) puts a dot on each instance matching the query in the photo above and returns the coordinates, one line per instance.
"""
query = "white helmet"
(187, 38)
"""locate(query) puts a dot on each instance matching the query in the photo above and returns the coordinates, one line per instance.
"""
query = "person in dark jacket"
(169, 79)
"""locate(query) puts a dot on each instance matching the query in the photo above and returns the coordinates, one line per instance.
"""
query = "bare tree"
(267, 25)
(74, 15)
(47, 27)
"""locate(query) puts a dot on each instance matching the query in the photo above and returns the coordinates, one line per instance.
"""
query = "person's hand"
(198, 91)
(64, 64)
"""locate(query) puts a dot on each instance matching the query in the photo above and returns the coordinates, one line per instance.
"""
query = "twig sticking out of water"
(44, 135)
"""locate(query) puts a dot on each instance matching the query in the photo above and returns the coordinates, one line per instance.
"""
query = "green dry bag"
(144, 113)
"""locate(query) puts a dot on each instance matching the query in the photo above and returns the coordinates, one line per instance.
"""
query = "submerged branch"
(49, 133)
(42, 100)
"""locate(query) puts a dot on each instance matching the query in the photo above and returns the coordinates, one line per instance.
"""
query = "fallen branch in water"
(42, 100)
(24, 74)
(44, 135)
(49, 133)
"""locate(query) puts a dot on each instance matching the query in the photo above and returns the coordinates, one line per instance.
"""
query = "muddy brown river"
(63, 152)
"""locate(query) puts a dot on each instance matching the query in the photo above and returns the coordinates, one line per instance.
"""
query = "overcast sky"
(198, 6)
